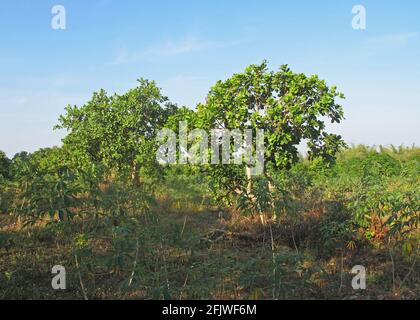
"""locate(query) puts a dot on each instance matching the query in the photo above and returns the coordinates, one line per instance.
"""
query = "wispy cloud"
(380, 45)
(187, 45)
(392, 40)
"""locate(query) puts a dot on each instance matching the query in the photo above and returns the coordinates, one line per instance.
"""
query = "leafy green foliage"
(118, 131)
(46, 186)
(337, 229)
(4, 166)
(291, 108)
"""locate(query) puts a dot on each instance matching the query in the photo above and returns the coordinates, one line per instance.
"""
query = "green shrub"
(337, 228)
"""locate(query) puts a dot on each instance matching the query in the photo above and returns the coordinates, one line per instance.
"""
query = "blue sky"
(186, 46)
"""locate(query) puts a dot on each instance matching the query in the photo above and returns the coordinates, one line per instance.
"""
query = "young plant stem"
(80, 278)
(165, 266)
(393, 264)
(135, 263)
(294, 241)
(408, 274)
(273, 254)
(341, 272)
(183, 227)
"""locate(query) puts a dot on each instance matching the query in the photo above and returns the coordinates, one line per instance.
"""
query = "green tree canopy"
(4, 165)
(291, 108)
(117, 130)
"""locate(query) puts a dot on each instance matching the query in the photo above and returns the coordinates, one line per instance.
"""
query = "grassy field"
(184, 255)
(185, 247)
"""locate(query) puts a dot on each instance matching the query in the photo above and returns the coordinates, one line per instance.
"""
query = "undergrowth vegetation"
(116, 242)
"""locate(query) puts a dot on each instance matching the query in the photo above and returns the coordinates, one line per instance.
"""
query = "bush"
(337, 228)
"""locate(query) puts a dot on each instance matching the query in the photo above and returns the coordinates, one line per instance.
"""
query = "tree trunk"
(249, 179)
(250, 195)
(135, 179)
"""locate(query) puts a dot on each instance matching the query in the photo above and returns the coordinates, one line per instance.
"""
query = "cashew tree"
(118, 130)
(290, 107)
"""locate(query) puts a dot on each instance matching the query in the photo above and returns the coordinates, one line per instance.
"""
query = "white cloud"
(392, 40)
(189, 44)
(379, 45)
